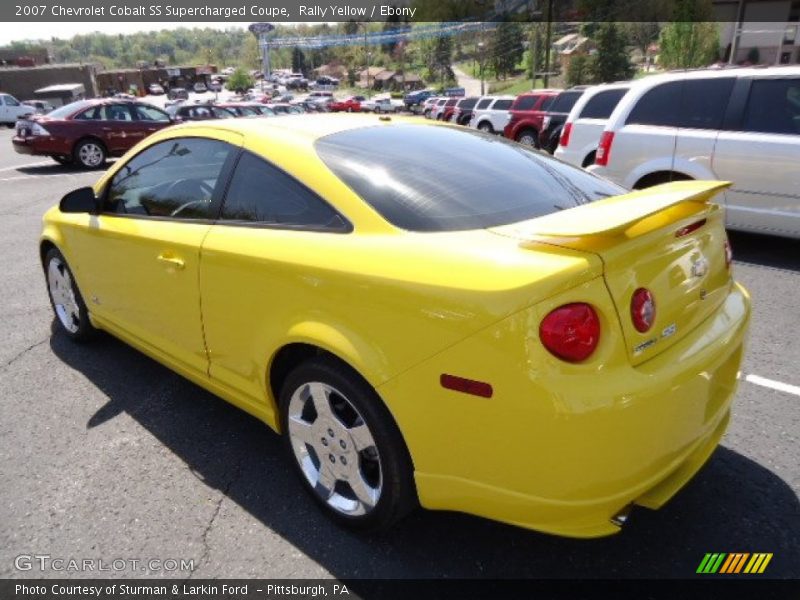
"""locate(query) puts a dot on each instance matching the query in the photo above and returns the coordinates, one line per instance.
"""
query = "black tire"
(87, 148)
(10, 125)
(528, 137)
(83, 329)
(486, 127)
(398, 493)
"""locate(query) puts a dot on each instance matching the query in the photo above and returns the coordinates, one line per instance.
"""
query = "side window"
(90, 114)
(175, 178)
(502, 104)
(773, 106)
(602, 104)
(658, 106)
(526, 102)
(484, 103)
(116, 112)
(704, 102)
(149, 113)
(262, 193)
(10, 100)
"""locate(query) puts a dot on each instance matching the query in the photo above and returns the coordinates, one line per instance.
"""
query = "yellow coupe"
(428, 315)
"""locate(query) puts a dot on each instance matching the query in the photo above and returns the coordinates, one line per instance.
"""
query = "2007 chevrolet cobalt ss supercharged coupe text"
(427, 315)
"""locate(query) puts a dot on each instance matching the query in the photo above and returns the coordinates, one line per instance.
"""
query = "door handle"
(173, 261)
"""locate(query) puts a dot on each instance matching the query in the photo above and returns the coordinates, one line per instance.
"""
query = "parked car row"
(87, 132)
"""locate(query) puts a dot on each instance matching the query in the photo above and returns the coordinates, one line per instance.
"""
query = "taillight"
(643, 309)
(571, 332)
(728, 254)
(604, 148)
(565, 133)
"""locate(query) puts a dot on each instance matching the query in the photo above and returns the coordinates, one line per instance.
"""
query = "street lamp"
(481, 47)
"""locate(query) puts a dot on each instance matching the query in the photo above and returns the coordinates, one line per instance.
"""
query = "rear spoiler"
(613, 216)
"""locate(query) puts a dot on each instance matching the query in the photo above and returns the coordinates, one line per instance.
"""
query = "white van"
(738, 125)
(586, 121)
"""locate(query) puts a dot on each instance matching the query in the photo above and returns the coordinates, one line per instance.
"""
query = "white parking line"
(37, 177)
(773, 385)
(36, 164)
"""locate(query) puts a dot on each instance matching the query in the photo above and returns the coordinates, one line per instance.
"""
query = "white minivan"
(11, 109)
(738, 125)
(585, 123)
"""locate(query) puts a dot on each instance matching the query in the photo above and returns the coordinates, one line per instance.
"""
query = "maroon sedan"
(87, 132)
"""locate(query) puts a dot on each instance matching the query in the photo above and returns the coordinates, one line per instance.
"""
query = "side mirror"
(81, 200)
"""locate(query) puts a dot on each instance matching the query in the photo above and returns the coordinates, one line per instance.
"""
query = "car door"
(149, 119)
(760, 154)
(699, 119)
(140, 257)
(252, 279)
(119, 129)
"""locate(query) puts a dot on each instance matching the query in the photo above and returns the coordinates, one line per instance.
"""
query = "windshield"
(454, 179)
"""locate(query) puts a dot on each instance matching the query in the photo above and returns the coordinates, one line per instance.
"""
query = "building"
(30, 57)
(770, 30)
(389, 80)
(138, 80)
(22, 82)
(569, 46)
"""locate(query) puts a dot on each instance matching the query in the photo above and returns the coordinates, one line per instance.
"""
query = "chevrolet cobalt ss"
(428, 315)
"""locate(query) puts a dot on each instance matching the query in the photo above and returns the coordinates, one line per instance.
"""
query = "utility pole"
(548, 36)
(481, 48)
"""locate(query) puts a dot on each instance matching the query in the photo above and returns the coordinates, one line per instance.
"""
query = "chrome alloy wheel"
(90, 154)
(62, 292)
(335, 449)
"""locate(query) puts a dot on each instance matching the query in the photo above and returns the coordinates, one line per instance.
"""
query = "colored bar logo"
(735, 562)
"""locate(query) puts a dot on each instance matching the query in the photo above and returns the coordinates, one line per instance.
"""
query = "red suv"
(527, 114)
(87, 132)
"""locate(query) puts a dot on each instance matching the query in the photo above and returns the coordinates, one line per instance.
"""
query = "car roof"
(310, 128)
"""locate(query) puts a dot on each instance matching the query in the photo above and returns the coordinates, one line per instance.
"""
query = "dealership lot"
(114, 456)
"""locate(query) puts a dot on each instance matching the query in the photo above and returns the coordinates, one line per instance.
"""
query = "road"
(471, 85)
(106, 454)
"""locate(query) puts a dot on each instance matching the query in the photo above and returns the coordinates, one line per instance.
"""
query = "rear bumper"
(564, 449)
(44, 146)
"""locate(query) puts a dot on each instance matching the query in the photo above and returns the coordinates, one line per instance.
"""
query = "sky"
(10, 32)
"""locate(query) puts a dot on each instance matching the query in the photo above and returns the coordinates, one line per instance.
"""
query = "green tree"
(690, 40)
(579, 70)
(239, 80)
(611, 63)
(442, 58)
(686, 45)
(506, 48)
(298, 61)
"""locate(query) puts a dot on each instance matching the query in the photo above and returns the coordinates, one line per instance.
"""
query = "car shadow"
(58, 169)
(733, 505)
(765, 250)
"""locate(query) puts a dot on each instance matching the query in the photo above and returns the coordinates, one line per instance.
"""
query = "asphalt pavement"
(105, 454)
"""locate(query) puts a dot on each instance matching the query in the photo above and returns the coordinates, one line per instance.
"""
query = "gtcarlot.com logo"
(734, 563)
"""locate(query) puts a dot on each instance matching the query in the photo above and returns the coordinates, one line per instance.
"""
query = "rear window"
(454, 179)
(484, 103)
(502, 105)
(68, 109)
(564, 102)
(467, 103)
(602, 104)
